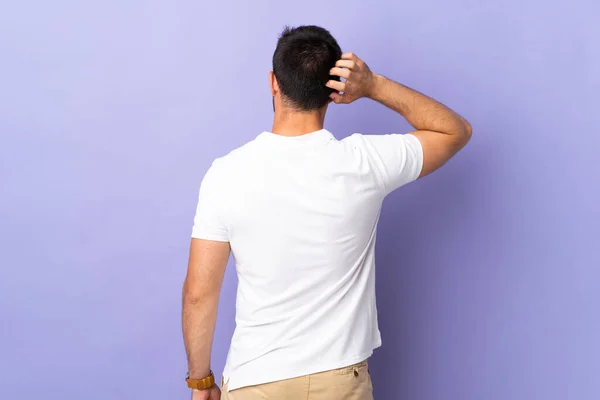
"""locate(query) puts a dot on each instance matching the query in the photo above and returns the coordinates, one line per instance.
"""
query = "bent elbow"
(468, 129)
(467, 132)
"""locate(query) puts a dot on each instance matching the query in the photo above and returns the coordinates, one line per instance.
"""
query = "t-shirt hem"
(284, 373)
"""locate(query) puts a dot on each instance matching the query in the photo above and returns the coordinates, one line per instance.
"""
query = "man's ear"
(273, 83)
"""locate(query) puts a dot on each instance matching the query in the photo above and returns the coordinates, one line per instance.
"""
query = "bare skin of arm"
(441, 131)
(201, 290)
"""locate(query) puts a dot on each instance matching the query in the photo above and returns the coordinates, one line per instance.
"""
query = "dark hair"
(301, 64)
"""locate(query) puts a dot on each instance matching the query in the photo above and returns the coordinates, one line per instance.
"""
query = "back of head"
(301, 64)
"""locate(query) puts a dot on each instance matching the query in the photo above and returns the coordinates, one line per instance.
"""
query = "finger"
(337, 98)
(349, 56)
(339, 86)
(341, 72)
(346, 64)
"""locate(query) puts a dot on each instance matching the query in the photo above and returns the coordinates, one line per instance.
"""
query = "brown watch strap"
(201, 384)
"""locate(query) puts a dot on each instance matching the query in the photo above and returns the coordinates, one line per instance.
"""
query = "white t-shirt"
(301, 215)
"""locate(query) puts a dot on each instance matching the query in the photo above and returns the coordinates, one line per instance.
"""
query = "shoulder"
(234, 160)
(358, 142)
(382, 142)
(356, 139)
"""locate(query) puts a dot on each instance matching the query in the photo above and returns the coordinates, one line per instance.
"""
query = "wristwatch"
(201, 384)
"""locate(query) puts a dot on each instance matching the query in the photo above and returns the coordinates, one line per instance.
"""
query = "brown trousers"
(348, 383)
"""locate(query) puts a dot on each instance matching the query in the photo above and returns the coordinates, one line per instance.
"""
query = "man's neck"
(297, 124)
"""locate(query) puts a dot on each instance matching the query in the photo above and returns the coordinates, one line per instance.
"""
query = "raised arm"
(441, 131)
(201, 289)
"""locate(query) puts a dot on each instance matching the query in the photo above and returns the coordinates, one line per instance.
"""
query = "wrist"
(199, 373)
(378, 81)
(201, 383)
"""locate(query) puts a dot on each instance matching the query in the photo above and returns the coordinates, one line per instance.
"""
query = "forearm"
(199, 318)
(422, 112)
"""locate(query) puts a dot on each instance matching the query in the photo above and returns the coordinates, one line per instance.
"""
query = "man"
(299, 210)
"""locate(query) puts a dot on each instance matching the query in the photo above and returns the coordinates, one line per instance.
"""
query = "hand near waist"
(214, 393)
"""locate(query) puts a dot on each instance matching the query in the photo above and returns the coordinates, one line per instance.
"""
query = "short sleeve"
(397, 159)
(208, 222)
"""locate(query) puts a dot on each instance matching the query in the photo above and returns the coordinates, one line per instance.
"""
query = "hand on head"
(359, 79)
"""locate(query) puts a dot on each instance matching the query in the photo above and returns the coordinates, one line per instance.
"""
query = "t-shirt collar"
(322, 135)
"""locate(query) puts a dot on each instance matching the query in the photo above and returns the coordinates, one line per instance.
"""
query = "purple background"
(111, 112)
